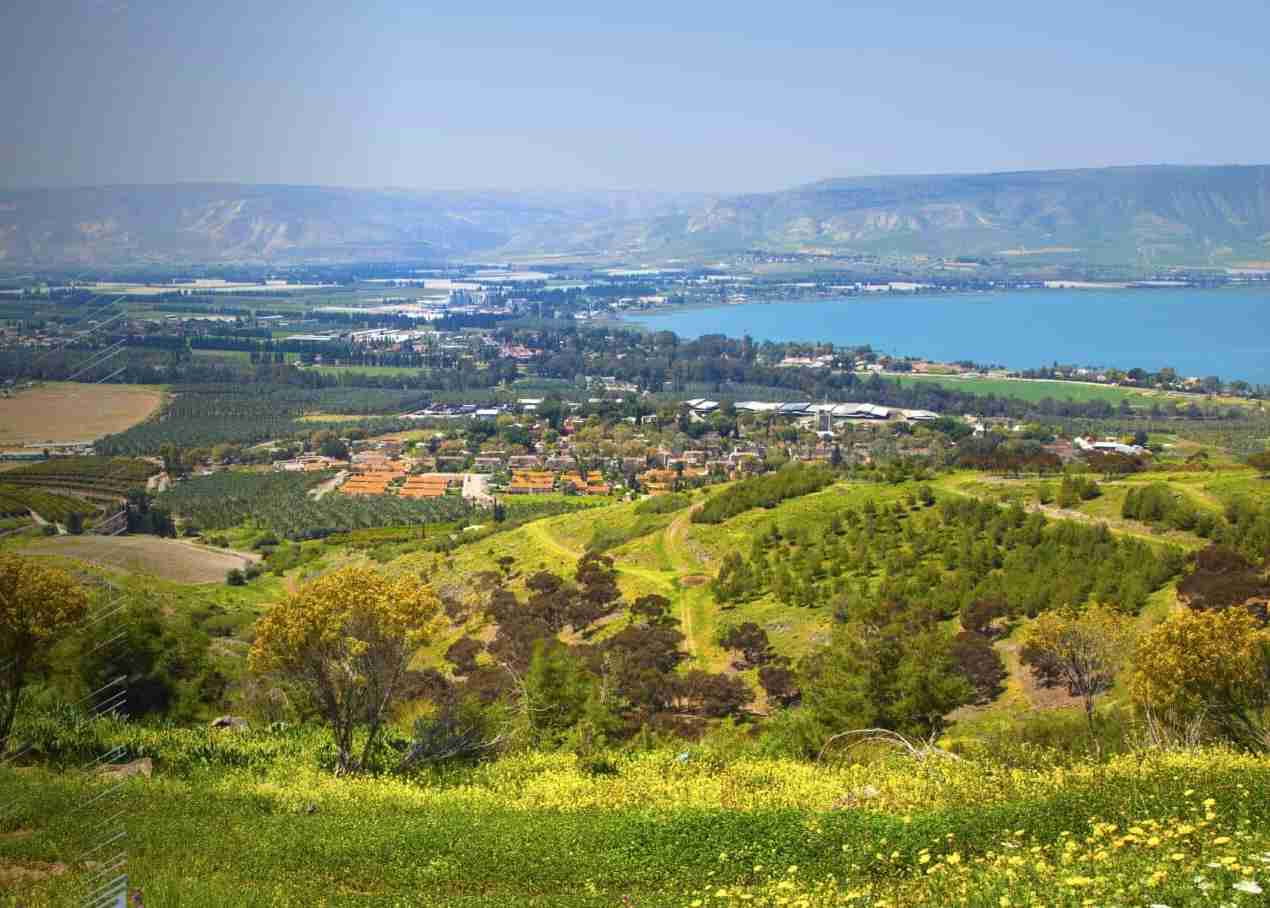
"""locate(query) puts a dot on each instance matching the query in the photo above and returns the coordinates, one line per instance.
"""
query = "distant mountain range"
(1122, 215)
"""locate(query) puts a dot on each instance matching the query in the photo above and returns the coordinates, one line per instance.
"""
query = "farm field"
(367, 370)
(170, 559)
(1033, 390)
(65, 412)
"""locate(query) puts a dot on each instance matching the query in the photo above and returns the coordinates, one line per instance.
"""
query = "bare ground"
(69, 412)
(170, 559)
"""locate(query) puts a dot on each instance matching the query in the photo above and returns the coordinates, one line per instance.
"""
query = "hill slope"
(1121, 215)
(208, 222)
(1124, 216)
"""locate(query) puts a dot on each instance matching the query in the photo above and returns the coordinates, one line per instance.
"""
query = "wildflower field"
(252, 820)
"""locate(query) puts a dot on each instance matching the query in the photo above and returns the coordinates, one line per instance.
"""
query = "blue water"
(1197, 332)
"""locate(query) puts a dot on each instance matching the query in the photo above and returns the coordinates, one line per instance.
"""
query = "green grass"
(534, 830)
(368, 370)
(1033, 391)
(238, 356)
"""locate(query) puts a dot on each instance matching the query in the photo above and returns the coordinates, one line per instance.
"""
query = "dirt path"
(321, 490)
(40, 521)
(476, 489)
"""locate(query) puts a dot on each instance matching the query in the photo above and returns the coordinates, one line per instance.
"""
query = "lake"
(1197, 332)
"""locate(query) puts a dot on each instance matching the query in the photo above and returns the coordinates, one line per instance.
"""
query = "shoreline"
(1183, 323)
(622, 318)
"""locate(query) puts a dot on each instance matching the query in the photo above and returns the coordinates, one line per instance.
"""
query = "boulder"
(232, 723)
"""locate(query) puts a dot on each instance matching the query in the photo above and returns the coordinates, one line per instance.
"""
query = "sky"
(686, 96)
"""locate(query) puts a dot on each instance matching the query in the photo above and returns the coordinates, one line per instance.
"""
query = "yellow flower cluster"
(1193, 858)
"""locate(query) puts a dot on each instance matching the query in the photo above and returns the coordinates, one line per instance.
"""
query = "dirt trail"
(321, 490)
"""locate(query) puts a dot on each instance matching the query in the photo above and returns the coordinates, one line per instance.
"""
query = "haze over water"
(1197, 332)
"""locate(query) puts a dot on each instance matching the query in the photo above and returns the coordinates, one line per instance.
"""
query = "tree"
(1209, 666)
(37, 604)
(1221, 578)
(345, 640)
(780, 684)
(556, 690)
(462, 654)
(1084, 650)
(980, 663)
(750, 641)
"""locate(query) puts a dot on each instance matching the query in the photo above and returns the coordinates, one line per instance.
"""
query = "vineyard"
(279, 502)
(16, 501)
(206, 415)
(92, 475)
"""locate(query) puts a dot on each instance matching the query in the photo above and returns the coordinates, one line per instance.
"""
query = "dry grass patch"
(170, 559)
(62, 412)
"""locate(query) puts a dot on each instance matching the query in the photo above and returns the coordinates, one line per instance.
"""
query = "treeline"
(1243, 526)
(765, 491)
(732, 368)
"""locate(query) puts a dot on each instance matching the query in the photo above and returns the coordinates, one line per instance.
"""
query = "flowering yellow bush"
(346, 639)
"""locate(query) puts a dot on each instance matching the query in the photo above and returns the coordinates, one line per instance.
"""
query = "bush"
(663, 504)
(236, 577)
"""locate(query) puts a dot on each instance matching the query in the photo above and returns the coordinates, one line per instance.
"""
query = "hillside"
(1139, 216)
(1014, 811)
(209, 222)
(1122, 215)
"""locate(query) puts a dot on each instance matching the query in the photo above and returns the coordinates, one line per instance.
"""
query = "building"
(529, 482)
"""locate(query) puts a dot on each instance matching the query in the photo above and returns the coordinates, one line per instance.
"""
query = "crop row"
(280, 503)
(16, 501)
(207, 415)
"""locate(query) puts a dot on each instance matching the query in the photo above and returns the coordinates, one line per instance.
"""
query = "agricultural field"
(368, 370)
(170, 559)
(207, 415)
(94, 476)
(17, 501)
(1034, 390)
(64, 412)
(280, 503)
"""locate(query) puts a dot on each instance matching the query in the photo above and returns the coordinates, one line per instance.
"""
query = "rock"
(142, 767)
(233, 723)
(310, 808)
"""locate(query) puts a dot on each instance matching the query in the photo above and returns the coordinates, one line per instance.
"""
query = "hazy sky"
(646, 95)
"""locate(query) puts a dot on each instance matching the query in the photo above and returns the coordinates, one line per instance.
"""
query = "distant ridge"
(1146, 215)
(1117, 215)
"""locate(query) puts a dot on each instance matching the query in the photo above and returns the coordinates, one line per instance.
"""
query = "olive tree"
(345, 640)
(37, 603)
